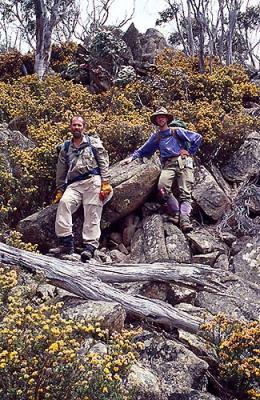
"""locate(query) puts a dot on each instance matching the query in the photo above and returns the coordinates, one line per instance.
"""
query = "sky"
(146, 13)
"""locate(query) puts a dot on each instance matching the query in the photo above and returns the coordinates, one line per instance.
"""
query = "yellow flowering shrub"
(14, 239)
(42, 354)
(238, 347)
(62, 55)
(13, 62)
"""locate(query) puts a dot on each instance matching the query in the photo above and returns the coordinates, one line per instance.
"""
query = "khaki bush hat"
(161, 111)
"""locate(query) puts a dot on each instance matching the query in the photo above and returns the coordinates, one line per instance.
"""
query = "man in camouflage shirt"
(82, 177)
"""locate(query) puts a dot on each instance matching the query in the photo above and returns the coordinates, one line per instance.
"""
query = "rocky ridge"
(174, 364)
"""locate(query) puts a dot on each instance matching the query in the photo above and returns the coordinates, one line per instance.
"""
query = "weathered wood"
(196, 276)
(84, 281)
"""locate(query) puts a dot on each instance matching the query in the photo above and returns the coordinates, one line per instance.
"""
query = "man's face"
(77, 127)
(161, 120)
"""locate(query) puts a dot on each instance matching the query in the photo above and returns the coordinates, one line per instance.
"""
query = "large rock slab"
(132, 185)
(246, 263)
(10, 139)
(246, 161)
(243, 303)
(176, 244)
(112, 315)
(209, 195)
(178, 369)
(154, 239)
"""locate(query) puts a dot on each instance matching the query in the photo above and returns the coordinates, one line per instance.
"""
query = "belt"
(173, 158)
(82, 177)
(87, 175)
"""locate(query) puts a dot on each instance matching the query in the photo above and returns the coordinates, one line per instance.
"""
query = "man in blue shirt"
(176, 145)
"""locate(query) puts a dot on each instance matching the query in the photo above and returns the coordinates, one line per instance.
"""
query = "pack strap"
(186, 144)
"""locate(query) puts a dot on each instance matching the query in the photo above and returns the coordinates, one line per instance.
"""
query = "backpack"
(66, 145)
(94, 171)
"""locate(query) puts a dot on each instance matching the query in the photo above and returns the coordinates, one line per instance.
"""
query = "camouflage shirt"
(76, 162)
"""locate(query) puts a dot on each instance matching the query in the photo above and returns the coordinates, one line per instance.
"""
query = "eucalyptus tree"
(36, 21)
(222, 28)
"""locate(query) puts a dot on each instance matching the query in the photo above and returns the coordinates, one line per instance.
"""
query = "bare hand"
(126, 161)
(184, 153)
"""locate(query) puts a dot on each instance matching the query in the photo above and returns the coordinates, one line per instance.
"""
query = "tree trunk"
(190, 31)
(222, 36)
(233, 11)
(85, 280)
(44, 29)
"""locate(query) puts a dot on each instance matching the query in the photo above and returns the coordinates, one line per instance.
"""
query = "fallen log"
(195, 276)
(84, 281)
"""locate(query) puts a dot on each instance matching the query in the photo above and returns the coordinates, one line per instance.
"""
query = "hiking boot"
(87, 253)
(185, 224)
(66, 246)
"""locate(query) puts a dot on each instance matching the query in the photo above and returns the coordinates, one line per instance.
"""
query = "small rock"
(182, 295)
(123, 249)
(203, 242)
(144, 382)
(99, 348)
(222, 262)
(117, 256)
(156, 290)
(208, 259)
(47, 291)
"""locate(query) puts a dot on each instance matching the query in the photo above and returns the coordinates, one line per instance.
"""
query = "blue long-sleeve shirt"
(170, 144)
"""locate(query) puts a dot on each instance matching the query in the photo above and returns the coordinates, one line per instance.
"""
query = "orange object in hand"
(58, 196)
(105, 190)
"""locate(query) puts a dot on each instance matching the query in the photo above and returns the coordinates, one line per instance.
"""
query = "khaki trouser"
(87, 193)
(175, 169)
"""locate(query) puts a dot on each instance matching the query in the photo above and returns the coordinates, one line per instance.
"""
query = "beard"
(77, 134)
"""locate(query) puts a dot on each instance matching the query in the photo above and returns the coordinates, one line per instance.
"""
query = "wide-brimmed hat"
(161, 111)
(178, 123)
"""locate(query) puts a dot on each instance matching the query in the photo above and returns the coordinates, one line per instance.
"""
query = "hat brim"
(169, 118)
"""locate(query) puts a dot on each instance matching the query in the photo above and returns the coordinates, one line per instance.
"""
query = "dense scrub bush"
(11, 65)
(211, 103)
(237, 346)
(62, 55)
(42, 354)
(14, 238)
(14, 64)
